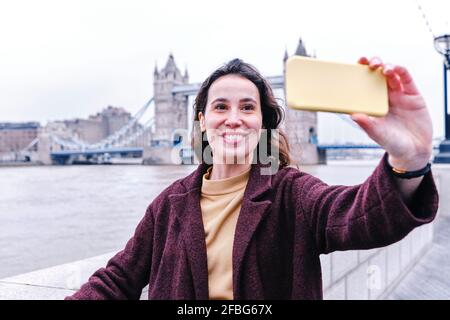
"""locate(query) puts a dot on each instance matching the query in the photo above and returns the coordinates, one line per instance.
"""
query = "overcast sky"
(67, 59)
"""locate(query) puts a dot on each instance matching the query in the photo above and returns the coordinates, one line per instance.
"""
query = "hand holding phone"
(405, 131)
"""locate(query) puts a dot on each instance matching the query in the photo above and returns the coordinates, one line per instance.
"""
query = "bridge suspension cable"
(30, 145)
(121, 137)
(120, 134)
(66, 144)
(347, 119)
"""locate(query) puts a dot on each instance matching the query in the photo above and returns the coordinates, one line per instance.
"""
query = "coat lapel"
(253, 210)
(186, 207)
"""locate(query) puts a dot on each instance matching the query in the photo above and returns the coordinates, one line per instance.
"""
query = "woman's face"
(232, 119)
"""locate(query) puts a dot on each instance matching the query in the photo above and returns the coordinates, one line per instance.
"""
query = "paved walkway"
(430, 278)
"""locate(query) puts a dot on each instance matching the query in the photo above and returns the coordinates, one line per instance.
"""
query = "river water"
(56, 214)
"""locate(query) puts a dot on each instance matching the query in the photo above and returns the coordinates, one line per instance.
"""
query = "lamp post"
(442, 45)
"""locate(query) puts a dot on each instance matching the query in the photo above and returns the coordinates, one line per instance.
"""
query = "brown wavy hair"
(272, 112)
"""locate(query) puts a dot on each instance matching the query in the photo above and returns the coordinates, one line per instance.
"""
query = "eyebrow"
(249, 99)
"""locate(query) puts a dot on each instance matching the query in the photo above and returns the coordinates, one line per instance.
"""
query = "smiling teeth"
(233, 137)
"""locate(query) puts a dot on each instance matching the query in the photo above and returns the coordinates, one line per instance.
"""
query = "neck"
(223, 171)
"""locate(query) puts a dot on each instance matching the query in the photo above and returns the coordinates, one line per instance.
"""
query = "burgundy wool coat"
(286, 221)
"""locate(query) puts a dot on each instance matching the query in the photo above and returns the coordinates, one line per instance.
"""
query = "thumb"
(369, 125)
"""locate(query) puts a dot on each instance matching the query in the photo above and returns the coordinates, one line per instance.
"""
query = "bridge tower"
(301, 126)
(44, 148)
(171, 112)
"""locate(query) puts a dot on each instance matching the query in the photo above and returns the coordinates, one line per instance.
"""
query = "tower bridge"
(164, 137)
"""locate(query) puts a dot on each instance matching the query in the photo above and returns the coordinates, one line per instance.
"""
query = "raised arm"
(127, 273)
(384, 208)
(369, 215)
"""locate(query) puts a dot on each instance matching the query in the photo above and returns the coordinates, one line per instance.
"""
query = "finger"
(406, 79)
(363, 120)
(393, 80)
(375, 63)
(388, 68)
(369, 125)
(363, 60)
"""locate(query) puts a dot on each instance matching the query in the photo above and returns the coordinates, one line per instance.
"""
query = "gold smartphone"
(316, 85)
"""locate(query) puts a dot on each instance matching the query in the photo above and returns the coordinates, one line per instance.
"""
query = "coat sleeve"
(364, 216)
(127, 273)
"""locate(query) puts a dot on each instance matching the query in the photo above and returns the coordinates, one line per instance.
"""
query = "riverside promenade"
(430, 278)
(417, 267)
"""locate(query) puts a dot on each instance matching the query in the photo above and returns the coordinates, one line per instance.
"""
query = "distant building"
(15, 137)
(112, 119)
(87, 130)
(100, 125)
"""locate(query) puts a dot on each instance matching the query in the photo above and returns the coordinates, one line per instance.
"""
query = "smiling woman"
(234, 230)
(234, 120)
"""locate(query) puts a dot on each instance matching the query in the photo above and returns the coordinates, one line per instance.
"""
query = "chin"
(235, 157)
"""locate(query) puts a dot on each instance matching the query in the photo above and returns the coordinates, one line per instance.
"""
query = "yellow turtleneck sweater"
(220, 203)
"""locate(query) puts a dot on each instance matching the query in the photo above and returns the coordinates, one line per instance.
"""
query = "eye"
(220, 106)
(248, 107)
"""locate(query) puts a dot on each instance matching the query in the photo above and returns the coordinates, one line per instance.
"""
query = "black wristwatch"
(403, 174)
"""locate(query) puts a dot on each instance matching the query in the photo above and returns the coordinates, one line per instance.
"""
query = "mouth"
(233, 138)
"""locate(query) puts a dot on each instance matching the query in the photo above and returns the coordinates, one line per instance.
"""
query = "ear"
(201, 118)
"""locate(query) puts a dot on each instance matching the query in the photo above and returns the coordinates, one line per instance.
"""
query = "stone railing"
(372, 274)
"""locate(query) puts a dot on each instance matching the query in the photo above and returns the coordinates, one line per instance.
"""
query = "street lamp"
(442, 45)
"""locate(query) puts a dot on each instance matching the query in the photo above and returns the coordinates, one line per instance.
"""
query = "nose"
(233, 118)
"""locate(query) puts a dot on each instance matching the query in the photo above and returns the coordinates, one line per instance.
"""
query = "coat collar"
(186, 207)
(259, 181)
